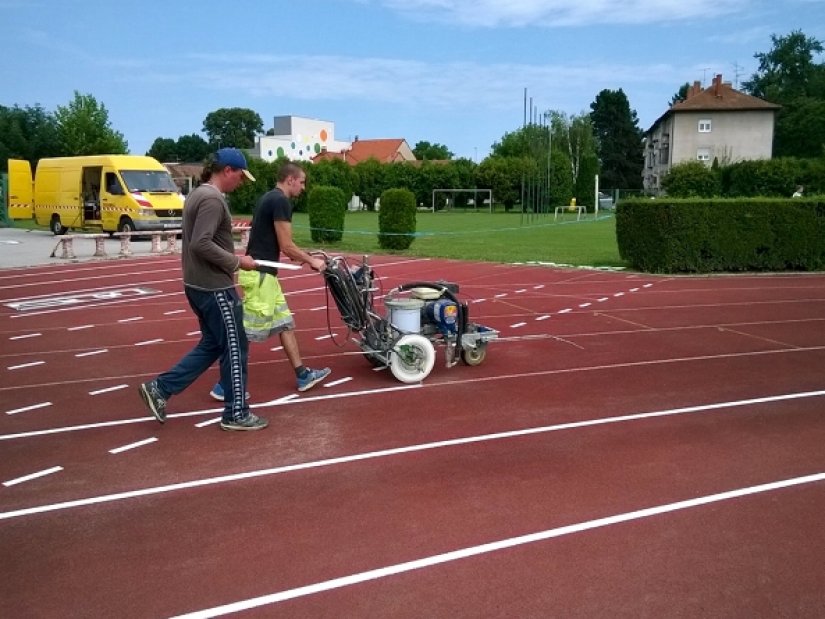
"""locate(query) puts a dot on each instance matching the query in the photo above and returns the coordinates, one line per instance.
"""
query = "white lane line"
(317, 309)
(23, 337)
(145, 441)
(396, 451)
(108, 389)
(147, 342)
(132, 319)
(277, 348)
(602, 299)
(322, 337)
(501, 544)
(520, 290)
(634, 290)
(619, 294)
(93, 352)
(500, 295)
(565, 310)
(539, 287)
(517, 325)
(169, 313)
(25, 365)
(585, 304)
(208, 422)
(647, 286)
(43, 473)
(25, 409)
(479, 300)
(194, 333)
(80, 328)
(340, 381)
(542, 317)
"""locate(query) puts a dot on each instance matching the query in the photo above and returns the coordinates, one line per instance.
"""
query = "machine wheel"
(474, 356)
(56, 227)
(412, 358)
(125, 225)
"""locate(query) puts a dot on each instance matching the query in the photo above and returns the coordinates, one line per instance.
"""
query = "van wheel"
(126, 225)
(56, 227)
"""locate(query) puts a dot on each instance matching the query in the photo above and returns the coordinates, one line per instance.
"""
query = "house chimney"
(717, 83)
(694, 90)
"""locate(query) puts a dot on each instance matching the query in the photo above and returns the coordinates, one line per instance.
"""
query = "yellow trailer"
(122, 193)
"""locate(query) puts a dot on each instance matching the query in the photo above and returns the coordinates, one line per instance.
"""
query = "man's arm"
(203, 244)
(283, 230)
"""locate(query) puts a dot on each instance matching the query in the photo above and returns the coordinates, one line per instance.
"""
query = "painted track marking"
(396, 451)
(502, 544)
(43, 473)
(134, 445)
(25, 409)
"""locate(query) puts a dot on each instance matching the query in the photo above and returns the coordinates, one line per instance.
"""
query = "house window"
(703, 154)
(704, 125)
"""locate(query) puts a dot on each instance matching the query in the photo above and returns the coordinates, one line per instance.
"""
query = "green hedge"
(327, 207)
(705, 235)
(396, 219)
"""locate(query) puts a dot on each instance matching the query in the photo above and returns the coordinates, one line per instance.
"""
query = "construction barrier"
(67, 246)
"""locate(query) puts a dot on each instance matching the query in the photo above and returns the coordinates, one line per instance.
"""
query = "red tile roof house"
(717, 122)
(391, 150)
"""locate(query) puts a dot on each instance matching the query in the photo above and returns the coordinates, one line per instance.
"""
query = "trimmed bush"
(704, 235)
(691, 179)
(396, 219)
(327, 207)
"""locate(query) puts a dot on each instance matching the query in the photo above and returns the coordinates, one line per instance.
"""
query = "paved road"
(21, 248)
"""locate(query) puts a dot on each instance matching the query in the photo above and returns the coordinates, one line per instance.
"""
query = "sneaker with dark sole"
(217, 393)
(312, 378)
(250, 422)
(154, 401)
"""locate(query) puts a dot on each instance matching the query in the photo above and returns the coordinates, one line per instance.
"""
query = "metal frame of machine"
(420, 316)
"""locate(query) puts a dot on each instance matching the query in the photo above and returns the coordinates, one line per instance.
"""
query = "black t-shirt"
(263, 242)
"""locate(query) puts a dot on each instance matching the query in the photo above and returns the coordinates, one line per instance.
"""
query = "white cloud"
(417, 84)
(519, 13)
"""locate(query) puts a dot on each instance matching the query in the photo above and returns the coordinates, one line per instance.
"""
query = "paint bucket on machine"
(405, 314)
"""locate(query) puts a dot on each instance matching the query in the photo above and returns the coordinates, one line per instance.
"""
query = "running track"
(633, 446)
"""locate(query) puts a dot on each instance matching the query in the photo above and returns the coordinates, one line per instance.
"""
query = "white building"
(298, 139)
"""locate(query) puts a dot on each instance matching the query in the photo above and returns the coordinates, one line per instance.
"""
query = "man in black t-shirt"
(266, 312)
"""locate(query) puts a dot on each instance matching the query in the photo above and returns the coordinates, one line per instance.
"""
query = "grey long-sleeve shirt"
(208, 249)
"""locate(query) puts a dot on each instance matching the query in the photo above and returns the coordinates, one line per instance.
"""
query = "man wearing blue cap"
(209, 265)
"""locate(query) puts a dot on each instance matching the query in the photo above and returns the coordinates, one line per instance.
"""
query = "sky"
(450, 72)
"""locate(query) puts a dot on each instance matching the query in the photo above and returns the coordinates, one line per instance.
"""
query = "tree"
(426, 151)
(574, 137)
(789, 76)
(503, 176)
(27, 133)
(528, 141)
(371, 181)
(232, 127)
(83, 128)
(680, 95)
(164, 149)
(619, 140)
(788, 71)
(192, 148)
(333, 173)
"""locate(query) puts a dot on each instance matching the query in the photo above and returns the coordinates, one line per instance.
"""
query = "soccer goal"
(447, 199)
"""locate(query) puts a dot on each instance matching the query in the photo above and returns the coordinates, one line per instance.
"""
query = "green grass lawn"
(494, 237)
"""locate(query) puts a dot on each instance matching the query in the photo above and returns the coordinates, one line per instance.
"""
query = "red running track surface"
(632, 446)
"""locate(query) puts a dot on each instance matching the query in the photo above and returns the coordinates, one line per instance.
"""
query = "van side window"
(113, 185)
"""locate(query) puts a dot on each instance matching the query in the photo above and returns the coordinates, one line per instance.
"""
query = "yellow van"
(122, 193)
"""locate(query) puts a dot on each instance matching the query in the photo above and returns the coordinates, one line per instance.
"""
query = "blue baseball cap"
(233, 158)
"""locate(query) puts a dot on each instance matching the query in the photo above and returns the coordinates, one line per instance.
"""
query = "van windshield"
(148, 180)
